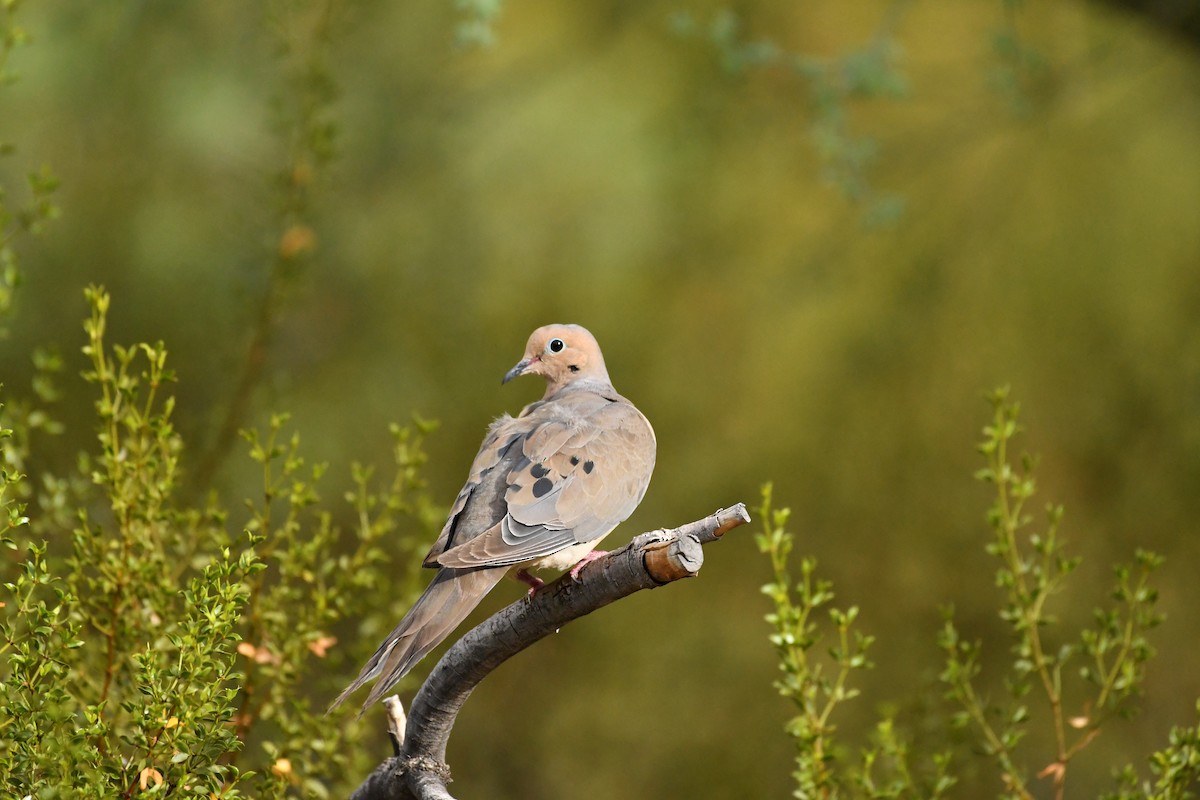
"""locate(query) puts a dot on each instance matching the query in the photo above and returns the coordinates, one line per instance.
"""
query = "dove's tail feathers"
(450, 597)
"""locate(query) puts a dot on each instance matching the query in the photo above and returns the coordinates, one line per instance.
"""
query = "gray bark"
(418, 771)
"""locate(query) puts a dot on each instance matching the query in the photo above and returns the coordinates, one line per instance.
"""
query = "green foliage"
(1101, 667)
(873, 70)
(152, 651)
(39, 208)
(477, 25)
(1019, 68)
(1176, 770)
(307, 131)
(148, 648)
(304, 116)
(818, 683)
(833, 83)
(806, 680)
(1034, 566)
(402, 231)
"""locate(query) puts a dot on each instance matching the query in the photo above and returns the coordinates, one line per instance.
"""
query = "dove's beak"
(520, 369)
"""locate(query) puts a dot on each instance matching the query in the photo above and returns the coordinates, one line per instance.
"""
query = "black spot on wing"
(538, 471)
(542, 486)
(588, 466)
(574, 460)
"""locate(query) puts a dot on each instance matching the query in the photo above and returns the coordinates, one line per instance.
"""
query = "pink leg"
(534, 582)
(589, 558)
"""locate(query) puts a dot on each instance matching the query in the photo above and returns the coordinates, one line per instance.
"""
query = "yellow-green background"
(594, 166)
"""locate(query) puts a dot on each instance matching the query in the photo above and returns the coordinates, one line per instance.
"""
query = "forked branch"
(418, 771)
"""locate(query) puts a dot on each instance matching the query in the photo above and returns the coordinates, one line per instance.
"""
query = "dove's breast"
(565, 558)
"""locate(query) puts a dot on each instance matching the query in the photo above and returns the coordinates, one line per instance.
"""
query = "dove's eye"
(555, 345)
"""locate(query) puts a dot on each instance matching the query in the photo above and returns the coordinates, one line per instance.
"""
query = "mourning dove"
(544, 489)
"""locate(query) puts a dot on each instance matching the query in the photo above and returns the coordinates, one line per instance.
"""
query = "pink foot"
(535, 583)
(589, 558)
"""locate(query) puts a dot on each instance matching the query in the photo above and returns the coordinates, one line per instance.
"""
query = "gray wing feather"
(586, 463)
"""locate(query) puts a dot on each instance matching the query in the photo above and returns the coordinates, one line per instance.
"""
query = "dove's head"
(562, 354)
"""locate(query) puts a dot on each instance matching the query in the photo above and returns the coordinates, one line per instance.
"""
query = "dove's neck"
(596, 384)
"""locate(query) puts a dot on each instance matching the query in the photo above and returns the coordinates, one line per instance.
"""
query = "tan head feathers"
(562, 354)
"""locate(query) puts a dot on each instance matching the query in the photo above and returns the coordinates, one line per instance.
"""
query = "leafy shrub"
(147, 648)
(1107, 660)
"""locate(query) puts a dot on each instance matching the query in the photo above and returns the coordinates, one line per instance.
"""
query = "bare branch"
(419, 771)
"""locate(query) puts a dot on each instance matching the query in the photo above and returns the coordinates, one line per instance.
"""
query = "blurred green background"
(609, 163)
